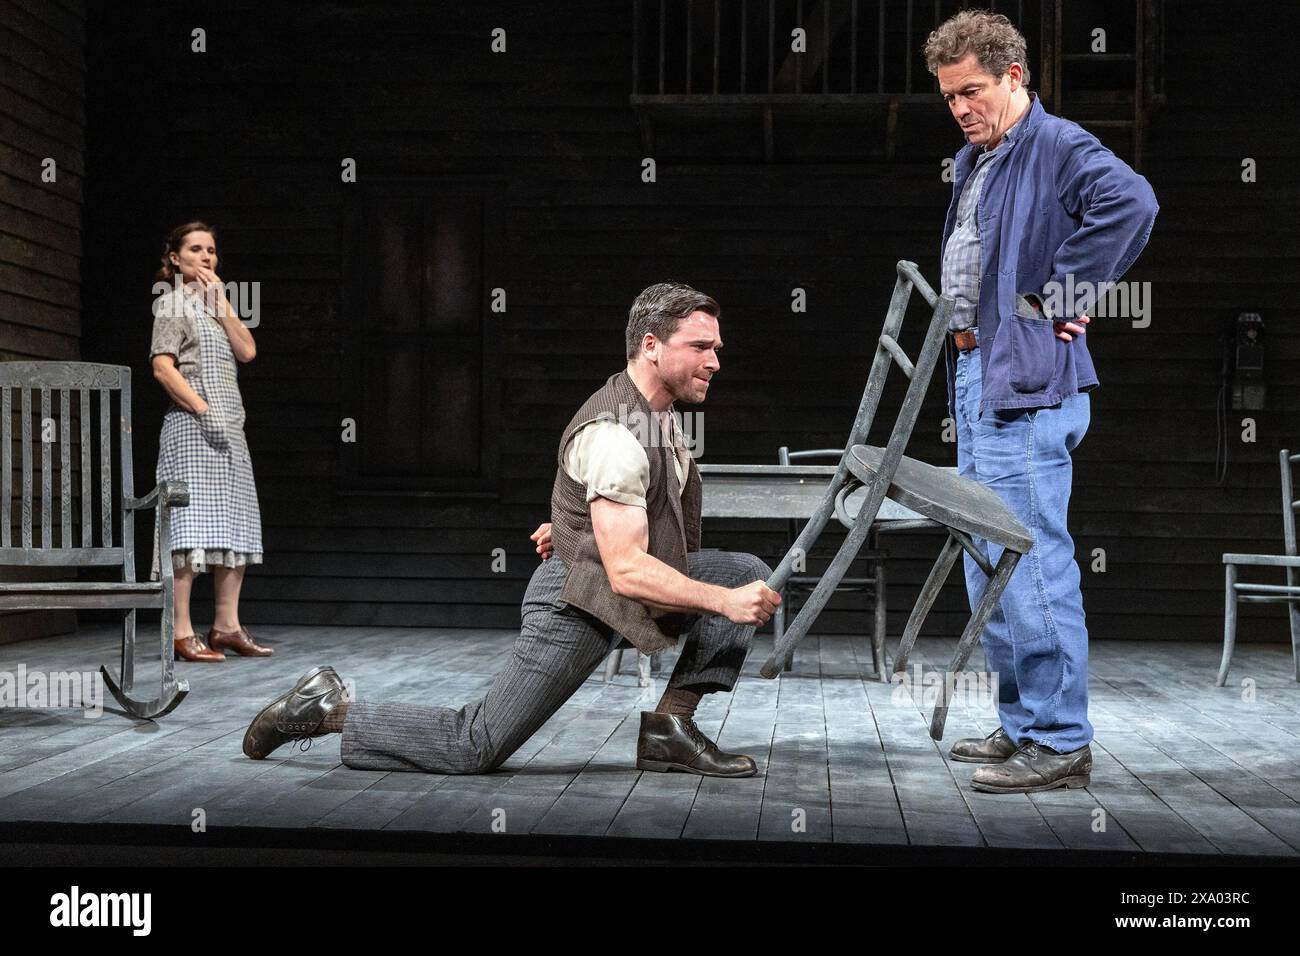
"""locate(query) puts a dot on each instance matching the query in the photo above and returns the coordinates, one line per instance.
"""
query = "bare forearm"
(179, 390)
(648, 580)
(241, 340)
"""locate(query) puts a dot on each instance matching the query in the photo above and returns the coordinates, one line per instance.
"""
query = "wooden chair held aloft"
(963, 507)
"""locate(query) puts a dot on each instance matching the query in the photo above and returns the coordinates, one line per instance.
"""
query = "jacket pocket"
(1033, 349)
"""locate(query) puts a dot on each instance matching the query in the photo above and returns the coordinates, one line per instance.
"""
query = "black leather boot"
(994, 748)
(297, 714)
(668, 742)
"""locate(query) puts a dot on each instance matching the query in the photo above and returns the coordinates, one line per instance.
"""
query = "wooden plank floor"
(1180, 765)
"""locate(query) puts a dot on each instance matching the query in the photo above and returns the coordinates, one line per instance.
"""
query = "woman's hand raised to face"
(213, 288)
(214, 295)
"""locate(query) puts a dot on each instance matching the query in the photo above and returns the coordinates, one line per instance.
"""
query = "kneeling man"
(626, 563)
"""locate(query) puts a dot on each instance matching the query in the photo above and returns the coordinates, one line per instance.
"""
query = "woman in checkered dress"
(198, 341)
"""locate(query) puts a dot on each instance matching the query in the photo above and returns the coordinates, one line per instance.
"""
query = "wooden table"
(783, 491)
(793, 492)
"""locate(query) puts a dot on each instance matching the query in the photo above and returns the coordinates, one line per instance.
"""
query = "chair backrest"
(44, 405)
(784, 455)
(1289, 503)
(888, 353)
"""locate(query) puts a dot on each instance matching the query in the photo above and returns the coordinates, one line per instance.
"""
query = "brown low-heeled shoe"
(240, 641)
(192, 649)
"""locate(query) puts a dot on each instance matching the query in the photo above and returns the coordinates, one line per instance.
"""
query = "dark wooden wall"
(42, 115)
(250, 136)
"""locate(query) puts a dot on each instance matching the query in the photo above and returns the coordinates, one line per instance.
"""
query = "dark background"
(524, 169)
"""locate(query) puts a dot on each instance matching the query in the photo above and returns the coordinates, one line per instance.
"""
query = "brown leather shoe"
(668, 742)
(240, 641)
(1034, 768)
(192, 649)
(994, 748)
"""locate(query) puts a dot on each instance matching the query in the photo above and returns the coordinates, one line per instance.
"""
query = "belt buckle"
(965, 340)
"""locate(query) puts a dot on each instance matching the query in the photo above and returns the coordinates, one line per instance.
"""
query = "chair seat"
(949, 499)
(108, 595)
(1263, 560)
(83, 587)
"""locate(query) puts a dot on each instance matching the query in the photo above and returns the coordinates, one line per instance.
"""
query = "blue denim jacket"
(1059, 203)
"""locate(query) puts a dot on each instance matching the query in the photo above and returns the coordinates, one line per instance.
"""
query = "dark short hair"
(660, 309)
(993, 39)
(173, 243)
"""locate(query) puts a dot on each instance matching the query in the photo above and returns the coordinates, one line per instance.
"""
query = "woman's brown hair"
(173, 244)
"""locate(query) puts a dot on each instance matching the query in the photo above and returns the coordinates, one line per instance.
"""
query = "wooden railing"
(743, 48)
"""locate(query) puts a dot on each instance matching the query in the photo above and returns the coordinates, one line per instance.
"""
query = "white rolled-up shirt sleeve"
(606, 457)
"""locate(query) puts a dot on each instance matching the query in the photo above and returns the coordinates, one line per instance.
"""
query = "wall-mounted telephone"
(1241, 379)
(1245, 367)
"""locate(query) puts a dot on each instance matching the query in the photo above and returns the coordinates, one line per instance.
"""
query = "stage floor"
(1180, 766)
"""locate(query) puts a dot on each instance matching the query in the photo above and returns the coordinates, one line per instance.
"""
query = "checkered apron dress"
(210, 453)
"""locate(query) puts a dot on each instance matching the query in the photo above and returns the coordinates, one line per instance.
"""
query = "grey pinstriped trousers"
(556, 650)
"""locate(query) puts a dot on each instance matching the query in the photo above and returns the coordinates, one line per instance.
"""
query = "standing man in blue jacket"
(1039, 207)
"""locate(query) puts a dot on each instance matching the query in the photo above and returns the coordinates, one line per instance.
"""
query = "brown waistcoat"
(674, 521)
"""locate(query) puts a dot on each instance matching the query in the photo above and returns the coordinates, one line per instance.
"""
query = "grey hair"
(990, 36)
(660, 308)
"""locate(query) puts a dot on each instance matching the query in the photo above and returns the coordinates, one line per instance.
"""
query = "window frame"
(362, 195)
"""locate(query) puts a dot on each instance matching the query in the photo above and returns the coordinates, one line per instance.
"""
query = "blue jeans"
(1036, 640)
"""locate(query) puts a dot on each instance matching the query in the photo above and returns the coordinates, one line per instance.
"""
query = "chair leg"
(612, 663)
(1230, 622)
(974, 628)
(929, 592)
(170, 690)
(167, 701)
(127, 669)
(1293, 606)
(778, 627)
(788, 664)
(829, 582)
(879, 659)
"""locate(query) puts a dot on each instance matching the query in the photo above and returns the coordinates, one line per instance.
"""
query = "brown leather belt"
(965, 340)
